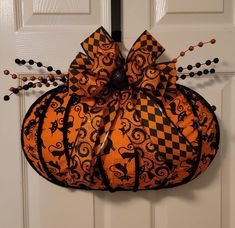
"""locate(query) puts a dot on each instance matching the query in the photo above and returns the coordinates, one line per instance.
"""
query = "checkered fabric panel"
(90, 45)
(73, 81)
(169, 69)
(162, 80)
(81, 62)
(171, 145)
(78, 67)
(146, 40)
(168, 80)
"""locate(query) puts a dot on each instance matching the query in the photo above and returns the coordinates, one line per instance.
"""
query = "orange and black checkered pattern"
(170, 144)
(148, 42)
(148, 134)
(168, 79)
(164, 80)
(81, 62)
(79, 66)
(91, 44)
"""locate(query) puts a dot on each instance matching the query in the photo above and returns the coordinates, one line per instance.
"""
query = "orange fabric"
(149, 135)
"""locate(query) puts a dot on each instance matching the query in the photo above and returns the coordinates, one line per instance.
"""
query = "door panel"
(51, 31)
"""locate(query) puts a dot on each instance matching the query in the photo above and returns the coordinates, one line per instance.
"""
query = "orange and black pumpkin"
(120, 124)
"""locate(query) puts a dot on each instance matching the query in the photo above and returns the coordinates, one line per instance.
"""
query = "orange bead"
(55, 84)
(14, 76)
(32, 78)
(11, 89)
(20, 87)
(182, 53)
(39, 84)
(48, 84)
(191, 48)
(25, 79)
(34, 85)
(174, 60)
(213, 41)
(40, 78)
(6, 72)
(200, 44)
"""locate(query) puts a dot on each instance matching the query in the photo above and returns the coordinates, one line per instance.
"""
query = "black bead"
(58, 72)
(30, 84)
(191, 74)
(17, 61)
(39, 64)
(119, 79)
(208, 62)
(63, 80)
(37, 112)
(198, 65)
(42, 107)
(199, 73)
(216, 60)
(213, 108)
(52, 79)
(6, 98)
(206, 71)
(183, 76)
(25, 87)
(180, 69)
(215, 145)
(15, 91)
(31, 62)
(23, 61)
(44, 80)
(50, 68)
(212, 71)
(189, 67)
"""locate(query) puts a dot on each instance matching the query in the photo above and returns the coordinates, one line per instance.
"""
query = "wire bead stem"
(198, 73)
(39, 64)
(198, 65)
(192, 48)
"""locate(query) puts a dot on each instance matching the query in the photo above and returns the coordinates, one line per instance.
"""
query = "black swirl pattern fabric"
(120, 124)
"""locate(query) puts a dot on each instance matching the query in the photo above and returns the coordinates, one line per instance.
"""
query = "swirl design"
(104, 138)
(83, 149)
(138, 135)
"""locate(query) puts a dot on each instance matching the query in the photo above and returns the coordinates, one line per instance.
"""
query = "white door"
(51, 31)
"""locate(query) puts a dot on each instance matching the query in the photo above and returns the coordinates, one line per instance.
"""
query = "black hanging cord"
(116, 20)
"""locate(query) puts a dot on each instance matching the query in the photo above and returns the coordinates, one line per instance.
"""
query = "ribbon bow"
(103, 76)
(90, 74)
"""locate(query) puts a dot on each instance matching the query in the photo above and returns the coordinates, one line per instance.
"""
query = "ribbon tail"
(103, 143)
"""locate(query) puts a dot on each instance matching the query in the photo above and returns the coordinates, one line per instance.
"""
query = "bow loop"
(146, 48)
(92, 44)
(110, 49)
(159, 79)
(90, 75)
(134, 73)
(107, 59)
(88, 78)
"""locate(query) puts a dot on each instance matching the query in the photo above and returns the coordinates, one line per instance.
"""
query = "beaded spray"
(58, 77)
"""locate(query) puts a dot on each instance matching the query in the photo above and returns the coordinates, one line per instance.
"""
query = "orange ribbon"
(91, 75)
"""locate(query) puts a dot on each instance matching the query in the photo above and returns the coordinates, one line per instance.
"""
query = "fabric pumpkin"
(120, 124)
